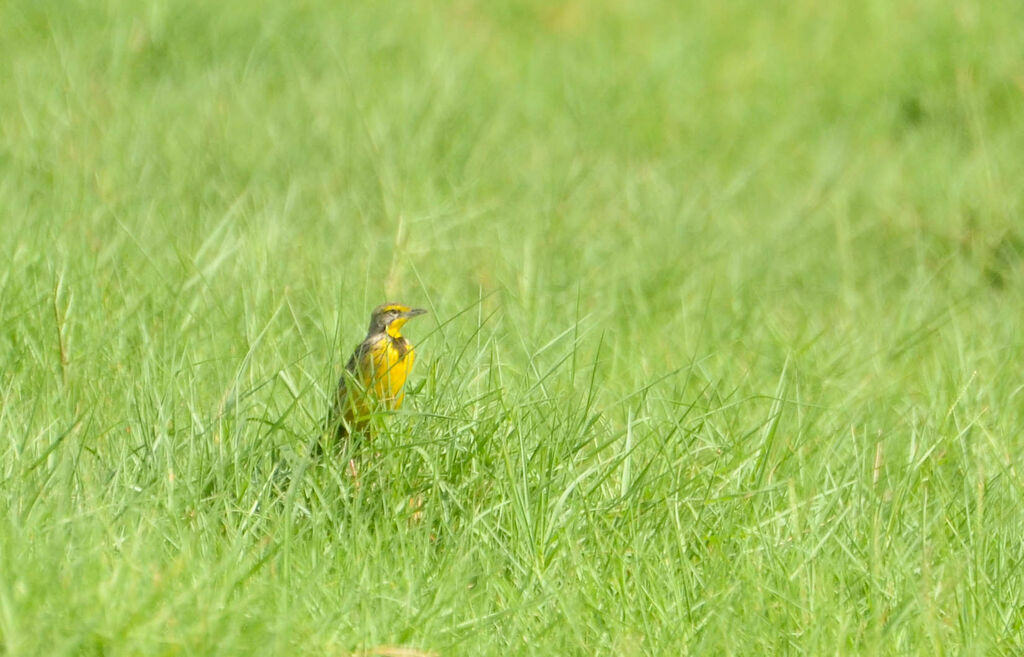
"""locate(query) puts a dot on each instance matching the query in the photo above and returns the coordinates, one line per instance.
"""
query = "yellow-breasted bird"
(376, 372)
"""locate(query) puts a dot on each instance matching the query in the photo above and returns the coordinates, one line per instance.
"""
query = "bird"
(375, 375)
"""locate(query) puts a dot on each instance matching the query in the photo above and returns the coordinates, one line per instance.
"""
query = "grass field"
(724, 354)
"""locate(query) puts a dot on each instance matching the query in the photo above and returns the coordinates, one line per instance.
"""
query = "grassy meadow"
(724, 352)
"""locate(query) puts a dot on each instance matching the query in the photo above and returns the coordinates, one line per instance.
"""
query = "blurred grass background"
(724, 352)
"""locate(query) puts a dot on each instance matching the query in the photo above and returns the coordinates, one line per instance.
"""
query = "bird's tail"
(334, 427)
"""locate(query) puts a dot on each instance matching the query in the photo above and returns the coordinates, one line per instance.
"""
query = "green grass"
(724, 353)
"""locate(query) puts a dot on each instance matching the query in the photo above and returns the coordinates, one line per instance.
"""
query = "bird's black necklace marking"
(401, 344)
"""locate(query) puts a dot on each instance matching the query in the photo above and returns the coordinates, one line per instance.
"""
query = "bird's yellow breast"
(389, 364)
(380, 369)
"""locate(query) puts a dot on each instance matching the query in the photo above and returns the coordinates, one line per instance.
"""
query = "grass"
(723, 355)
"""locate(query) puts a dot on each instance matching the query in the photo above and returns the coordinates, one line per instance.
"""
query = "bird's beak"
(413, 312)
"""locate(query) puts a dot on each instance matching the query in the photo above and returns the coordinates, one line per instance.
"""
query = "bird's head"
(391, 317)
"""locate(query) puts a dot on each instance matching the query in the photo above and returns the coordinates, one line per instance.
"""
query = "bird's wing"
(335, 417)
(349, 400)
